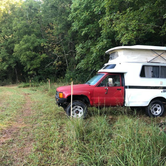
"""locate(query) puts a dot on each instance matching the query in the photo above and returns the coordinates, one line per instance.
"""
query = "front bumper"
(60, 101)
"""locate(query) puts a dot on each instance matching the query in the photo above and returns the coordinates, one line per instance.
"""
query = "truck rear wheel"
(79, 109)
(155, 109)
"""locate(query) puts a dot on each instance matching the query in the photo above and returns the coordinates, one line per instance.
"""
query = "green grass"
(10, 104)
(136, 143)
(110, 136)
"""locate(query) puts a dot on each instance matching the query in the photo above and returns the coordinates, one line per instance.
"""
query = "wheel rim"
(77, 111)
(156, 109)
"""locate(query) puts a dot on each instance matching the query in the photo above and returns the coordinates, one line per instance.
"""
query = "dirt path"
(12, 135)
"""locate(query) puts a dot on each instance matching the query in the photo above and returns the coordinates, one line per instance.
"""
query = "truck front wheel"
(79, 109)
(155, 108)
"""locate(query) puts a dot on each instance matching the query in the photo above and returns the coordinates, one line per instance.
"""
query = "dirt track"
(11, 136)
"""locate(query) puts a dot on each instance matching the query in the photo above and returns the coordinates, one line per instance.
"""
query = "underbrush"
(46, 87)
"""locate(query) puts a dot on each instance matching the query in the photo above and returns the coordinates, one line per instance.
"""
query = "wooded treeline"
(66, 39)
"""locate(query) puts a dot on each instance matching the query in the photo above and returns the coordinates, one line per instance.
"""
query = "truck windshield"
(94, 79)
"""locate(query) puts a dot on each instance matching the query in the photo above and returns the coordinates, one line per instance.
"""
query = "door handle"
(119, 89)
(106, 90)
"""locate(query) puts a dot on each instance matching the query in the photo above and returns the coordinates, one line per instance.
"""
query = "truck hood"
(77, 89)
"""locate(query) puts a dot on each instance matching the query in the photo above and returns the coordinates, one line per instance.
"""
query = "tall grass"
(124, 140)
(89, 140)
(112, 136)
(128, 141)
(136, 143)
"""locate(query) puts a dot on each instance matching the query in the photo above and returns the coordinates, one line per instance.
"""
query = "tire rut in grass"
(18, 136)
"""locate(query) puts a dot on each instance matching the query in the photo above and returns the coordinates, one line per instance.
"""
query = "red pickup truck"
(103, 90)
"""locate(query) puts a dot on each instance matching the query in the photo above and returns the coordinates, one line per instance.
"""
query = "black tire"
(79, 109)
(155, 108)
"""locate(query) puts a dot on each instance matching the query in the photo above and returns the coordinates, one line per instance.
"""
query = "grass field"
(34, 131)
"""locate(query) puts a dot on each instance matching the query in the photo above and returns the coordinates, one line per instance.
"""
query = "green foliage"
(137, 21)
(68, 38)
(7, 61)
(28, 51)
(31, 44)
(89, 48)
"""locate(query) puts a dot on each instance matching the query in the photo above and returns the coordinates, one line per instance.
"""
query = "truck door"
(109, 92)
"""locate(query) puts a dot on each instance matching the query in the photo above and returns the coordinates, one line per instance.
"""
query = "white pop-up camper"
(144, 75)
(135, 76)
(137, 53)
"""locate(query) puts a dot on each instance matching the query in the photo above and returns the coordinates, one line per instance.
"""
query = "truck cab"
(102, 90)
(134, 77)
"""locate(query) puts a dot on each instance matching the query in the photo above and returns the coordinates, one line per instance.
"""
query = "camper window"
(111, 66)
(163, 72)
(153, 71)
(113, 56)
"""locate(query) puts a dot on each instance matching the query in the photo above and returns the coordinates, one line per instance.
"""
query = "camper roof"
(137, 53)
(137, 47)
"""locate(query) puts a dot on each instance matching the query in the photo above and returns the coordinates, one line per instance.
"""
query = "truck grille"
(57, 94)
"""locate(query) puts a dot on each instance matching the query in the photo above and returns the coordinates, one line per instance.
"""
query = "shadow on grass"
(115, 111)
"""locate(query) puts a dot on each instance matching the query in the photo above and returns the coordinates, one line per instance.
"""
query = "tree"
(137, 22)
(59, 45)
(91, 44)
(37, 34)
(27, 28)
(68, 38)
(7, 61)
